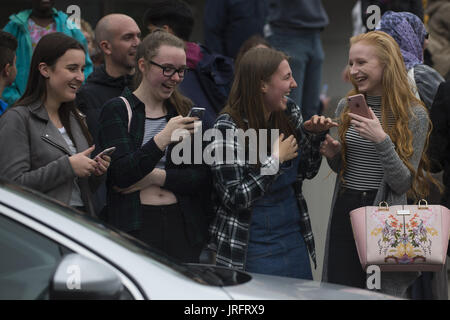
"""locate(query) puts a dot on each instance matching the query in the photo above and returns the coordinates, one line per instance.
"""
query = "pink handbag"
(402, 238)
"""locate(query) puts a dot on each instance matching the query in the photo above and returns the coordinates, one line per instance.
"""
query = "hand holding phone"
(102, 163)
(357, 105)
(369, 127)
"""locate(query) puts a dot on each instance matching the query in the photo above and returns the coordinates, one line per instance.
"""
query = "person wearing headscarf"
(409, 32)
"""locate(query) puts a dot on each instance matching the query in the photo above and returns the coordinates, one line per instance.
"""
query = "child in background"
(8, 71)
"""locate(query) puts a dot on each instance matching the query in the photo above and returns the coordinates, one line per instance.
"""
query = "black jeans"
(164, 228)
(344, 266)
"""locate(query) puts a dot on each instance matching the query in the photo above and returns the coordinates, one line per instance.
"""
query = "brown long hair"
(397, 100)
(148, 49)
(246, 98)
(48, 50)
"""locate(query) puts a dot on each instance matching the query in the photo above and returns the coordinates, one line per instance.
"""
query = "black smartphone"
(197, 112)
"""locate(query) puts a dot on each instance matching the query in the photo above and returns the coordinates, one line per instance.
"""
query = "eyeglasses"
(169, 71)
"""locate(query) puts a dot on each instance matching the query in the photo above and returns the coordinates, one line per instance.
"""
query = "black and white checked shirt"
(238, 185)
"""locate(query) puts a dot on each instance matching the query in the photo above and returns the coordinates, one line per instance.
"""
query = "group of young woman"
(257, 222)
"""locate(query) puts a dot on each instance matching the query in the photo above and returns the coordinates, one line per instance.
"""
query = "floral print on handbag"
(408, 238)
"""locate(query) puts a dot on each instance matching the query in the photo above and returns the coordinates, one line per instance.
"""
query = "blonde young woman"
(381, 158)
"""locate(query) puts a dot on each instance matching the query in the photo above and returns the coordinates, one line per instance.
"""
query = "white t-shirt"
(75, 199)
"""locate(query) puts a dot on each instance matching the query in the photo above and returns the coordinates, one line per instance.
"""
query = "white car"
(50, 251)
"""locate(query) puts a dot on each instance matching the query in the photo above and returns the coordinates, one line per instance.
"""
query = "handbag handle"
(386, 207)
(420, 206)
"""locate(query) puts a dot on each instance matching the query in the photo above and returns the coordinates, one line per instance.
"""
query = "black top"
(439, 150)
(133, 160)
(99, 88)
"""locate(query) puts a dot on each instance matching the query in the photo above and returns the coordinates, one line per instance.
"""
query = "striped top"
(153, 126)
(364, 170)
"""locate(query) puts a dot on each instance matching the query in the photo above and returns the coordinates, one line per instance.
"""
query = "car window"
(28, 261)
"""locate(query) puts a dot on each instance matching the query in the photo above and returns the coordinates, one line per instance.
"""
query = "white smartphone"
(357, 105)
(107, 152)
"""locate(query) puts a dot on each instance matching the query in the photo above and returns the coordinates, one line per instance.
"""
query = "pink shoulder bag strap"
(127, 104)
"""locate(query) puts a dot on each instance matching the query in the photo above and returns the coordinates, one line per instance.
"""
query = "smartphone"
(196, 112)
(107, 152)
(357, 105)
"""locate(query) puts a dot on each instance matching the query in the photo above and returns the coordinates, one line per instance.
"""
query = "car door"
(28, 261)
(30, 253)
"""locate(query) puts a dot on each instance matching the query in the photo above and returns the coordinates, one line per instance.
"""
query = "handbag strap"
(127, 104)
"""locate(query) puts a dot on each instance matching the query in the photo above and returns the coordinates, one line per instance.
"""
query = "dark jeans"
(306, 60)
(164, 228)
(344, 266)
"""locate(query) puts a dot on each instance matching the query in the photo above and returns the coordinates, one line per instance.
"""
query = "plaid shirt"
(238, 185)
(132, 161)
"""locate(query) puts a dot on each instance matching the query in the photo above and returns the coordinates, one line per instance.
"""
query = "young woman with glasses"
(149, 196)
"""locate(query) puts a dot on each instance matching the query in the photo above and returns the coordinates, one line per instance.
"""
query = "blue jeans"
(306, 58)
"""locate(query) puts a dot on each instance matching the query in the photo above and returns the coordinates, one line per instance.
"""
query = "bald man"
(117, 36)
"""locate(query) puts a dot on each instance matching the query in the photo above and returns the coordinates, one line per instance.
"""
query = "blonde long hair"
(397, 100)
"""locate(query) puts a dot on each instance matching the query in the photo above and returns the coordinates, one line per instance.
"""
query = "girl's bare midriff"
(156, 196)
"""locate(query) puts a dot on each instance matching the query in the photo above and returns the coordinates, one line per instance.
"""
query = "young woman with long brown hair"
(45, 142)
(377, 159)
(262, 224)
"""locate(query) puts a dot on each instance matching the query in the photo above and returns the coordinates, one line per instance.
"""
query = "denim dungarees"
(276, 245)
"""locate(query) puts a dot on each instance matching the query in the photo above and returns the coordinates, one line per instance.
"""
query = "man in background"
(117, 36)
(294, 27)
(229, 23)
